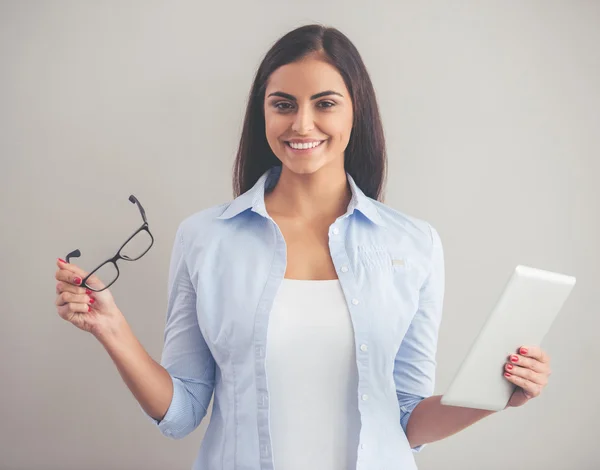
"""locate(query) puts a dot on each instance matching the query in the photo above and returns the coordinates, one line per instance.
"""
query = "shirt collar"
(254, 198)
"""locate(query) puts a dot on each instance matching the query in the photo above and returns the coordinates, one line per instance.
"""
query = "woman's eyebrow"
(313, 97)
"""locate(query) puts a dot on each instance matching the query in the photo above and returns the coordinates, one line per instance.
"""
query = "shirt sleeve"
(185, 355)
(415, 363)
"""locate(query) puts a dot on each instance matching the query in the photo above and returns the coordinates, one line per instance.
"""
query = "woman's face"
(308, 100)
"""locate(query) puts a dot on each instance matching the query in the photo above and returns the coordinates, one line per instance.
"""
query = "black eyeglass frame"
(118, 256)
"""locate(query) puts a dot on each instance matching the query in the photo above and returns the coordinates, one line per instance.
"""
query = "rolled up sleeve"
(185, 355)
(415, 362)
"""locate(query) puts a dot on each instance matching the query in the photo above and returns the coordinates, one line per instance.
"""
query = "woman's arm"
(415, 363)
(175, 393)
(149, 382)
(431, 421)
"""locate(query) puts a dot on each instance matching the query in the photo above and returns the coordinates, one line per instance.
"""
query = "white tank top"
(312, 378)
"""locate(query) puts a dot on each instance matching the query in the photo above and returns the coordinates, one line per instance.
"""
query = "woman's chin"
(306, 167)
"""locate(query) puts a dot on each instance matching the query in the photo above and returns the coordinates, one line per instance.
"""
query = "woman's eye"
(331, 105)
(277, 105)
(287, 106)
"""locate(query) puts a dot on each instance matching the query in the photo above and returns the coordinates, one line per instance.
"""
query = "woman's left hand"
(529, 370)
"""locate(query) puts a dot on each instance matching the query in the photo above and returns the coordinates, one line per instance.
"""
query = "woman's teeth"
(304, 146)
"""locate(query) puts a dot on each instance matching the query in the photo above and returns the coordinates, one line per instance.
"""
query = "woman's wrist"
(113, 330)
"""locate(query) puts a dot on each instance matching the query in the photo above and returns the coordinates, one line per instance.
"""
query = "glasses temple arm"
(134, 200)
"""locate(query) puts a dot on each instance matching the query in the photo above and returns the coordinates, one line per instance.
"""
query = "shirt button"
(335, 230)
(365, 397)
(363, 347)
(344, 269)
(355, 301)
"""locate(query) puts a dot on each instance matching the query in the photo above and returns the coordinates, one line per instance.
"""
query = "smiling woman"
(308, 307)
(312, 86)
(319, 122)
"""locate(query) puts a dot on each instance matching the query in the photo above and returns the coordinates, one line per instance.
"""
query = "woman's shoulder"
(405, 223)
(203, 220)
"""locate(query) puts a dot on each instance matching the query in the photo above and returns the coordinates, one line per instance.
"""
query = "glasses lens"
(107, 273)
(137, 246)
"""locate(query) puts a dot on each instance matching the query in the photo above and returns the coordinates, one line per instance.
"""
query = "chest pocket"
(381, 258)
(393, 281)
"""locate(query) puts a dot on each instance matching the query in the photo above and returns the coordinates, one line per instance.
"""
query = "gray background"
(491, 113)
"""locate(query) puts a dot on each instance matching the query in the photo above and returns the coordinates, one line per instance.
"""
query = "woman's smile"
(304, 149)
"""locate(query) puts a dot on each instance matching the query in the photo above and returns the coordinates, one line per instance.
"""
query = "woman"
(309, 307)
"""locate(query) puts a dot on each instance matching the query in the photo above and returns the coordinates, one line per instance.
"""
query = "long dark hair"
(365, 156)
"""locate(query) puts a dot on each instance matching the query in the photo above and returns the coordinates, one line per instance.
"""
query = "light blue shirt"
(227, 264)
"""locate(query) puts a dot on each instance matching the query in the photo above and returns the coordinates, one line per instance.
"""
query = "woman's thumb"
(77, 271)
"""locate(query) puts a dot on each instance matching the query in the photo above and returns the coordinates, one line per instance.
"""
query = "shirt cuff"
(167, 424)
(405, 412)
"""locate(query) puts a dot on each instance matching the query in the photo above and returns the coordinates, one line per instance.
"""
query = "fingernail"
(523, 350)
(509, 366)
(92, 300)
(514, 358)
(506, 374)
(89, 308)
(62, 260)
(88, 292)
(77, 280)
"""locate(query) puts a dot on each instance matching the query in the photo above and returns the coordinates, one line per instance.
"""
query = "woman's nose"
(303, 122)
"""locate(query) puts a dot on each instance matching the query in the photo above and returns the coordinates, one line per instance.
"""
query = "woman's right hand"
(94, 312)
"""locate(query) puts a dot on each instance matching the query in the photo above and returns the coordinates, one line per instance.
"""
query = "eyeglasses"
(136, 246)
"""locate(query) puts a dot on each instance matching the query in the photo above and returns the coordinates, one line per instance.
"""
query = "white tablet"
(523, 315)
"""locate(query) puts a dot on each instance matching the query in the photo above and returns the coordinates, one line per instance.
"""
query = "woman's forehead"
(305, 78)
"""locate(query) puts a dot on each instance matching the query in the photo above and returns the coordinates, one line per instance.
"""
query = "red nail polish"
(523, 350)
(514, 358)
(77, 280)
(506, 374)
(509, 366)
(92, 300)
(88, 292)
(89, 308)
(62, 260)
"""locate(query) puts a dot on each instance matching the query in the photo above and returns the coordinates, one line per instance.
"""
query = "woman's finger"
(68, 297)
(530, 389)
(69, 277)
(536, 353)
(66, 311)
(527, 374)
(529, 363)
(73, 268)
(62, 286)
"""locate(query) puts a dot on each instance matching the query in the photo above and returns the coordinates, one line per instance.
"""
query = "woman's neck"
(323, 194)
